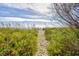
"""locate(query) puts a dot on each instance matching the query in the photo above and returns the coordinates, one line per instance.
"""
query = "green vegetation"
(62, 41)
(18, 42)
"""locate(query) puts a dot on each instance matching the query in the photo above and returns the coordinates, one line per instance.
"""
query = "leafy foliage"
(18, 42)
(62, 41)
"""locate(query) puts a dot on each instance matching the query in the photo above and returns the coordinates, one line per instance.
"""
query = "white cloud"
(40, 7)
(21, 19)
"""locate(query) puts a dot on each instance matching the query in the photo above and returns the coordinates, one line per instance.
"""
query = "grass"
(62, 41)
(18, 42)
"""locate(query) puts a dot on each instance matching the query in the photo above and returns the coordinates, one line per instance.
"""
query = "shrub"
(18, 42)
(62, 41)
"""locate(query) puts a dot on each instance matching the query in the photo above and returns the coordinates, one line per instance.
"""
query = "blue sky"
(28, 12)
(7, 11)
(76, 11)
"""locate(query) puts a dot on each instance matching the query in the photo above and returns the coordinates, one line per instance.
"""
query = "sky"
(41, 7)
(26, 12)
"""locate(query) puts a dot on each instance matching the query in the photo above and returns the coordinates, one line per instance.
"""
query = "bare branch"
(64, 11)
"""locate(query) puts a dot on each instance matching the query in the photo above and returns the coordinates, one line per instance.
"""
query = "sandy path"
(42, 43)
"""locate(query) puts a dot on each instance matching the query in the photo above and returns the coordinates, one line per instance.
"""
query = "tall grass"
(62, 41)
(18, 42)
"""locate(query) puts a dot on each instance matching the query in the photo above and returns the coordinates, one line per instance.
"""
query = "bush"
(18, 42)
(62, 41)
